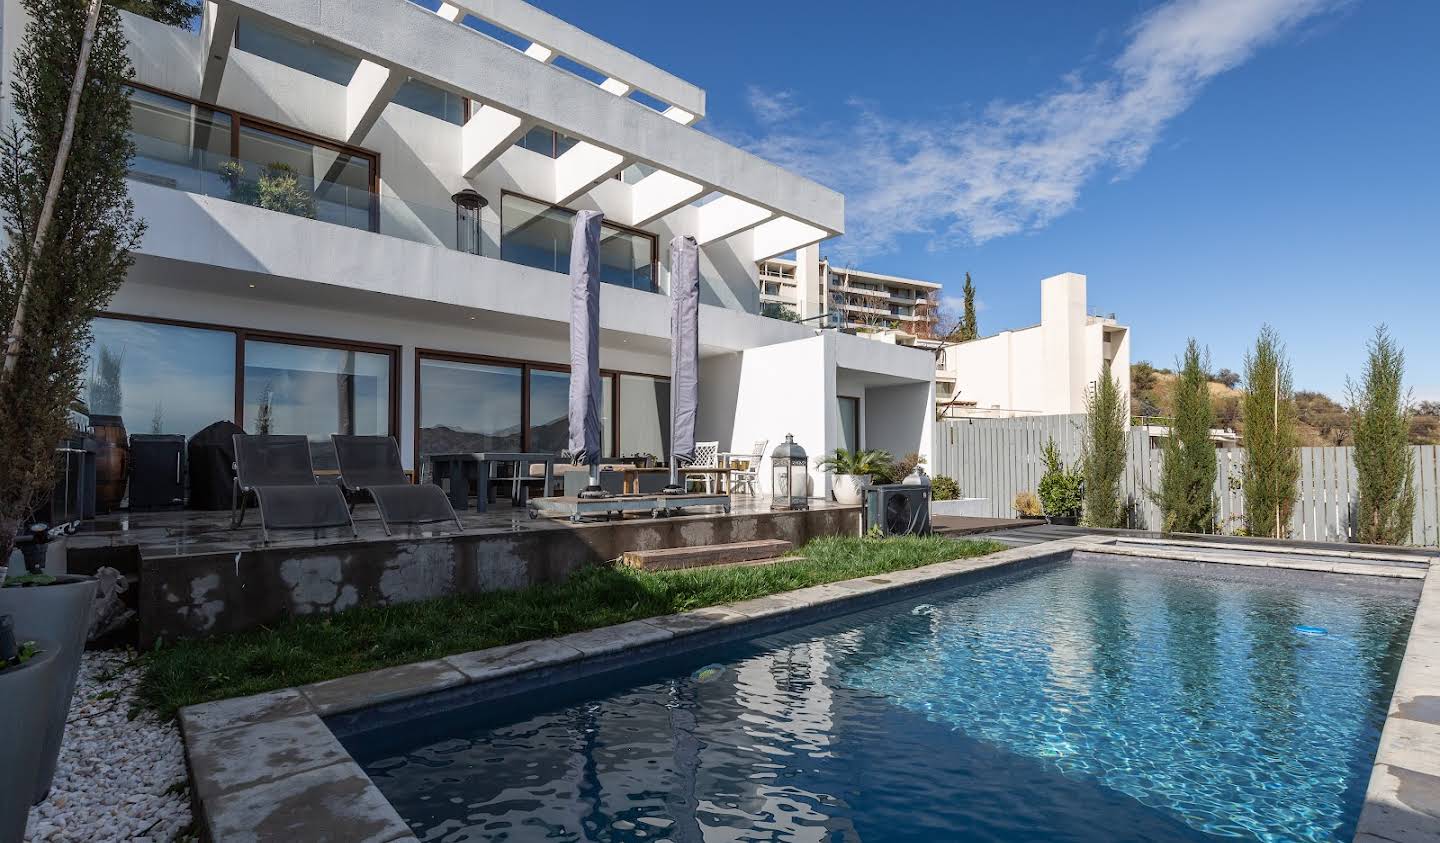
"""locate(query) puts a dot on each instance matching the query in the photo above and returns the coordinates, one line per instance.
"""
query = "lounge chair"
(372, 464)
(277, 469)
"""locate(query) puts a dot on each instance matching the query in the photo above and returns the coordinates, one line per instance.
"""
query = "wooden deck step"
(673, 558)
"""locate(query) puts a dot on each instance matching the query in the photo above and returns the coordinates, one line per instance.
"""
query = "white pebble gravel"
(118, 778)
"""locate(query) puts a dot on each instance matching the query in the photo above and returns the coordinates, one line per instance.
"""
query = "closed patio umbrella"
(585, 346)
(684, 354)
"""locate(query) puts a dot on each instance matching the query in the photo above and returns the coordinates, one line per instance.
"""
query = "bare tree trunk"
(52, 193)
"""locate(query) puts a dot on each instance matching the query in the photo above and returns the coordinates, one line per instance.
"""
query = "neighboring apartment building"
(372, 294)
(867, 300)
(1045, 369)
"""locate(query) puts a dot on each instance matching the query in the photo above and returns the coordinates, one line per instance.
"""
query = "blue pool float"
(1310, 630)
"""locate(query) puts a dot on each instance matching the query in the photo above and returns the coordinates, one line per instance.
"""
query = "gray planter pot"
(59, 612)
(29, 692)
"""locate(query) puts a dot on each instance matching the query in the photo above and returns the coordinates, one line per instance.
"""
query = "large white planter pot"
(28, 693)
(848, 488)
(58, 612)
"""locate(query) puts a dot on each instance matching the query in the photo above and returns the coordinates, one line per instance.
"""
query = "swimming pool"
(1093, 698)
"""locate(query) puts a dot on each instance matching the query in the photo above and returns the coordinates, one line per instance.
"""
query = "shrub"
(944, 488)
(1027, 505)
(1187, 478)
(873, 462)
(1272, 458)
(1383, 461)
(1107, 420)
(1061, 490)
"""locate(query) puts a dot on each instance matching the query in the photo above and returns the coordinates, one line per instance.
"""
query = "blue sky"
(1211, 165)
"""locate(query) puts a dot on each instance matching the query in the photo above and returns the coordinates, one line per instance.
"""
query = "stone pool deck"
(268, 767)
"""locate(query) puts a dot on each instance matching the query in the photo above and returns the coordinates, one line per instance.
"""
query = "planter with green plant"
(70, 228)
(944, 488)
(851, 472)
(1062, 490)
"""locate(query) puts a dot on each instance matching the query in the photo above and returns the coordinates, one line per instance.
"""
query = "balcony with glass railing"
(211, 152)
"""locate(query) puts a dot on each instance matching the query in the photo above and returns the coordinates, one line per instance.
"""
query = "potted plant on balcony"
(69, 227)
(1027, 506)
(1062, 490)
(851, 471)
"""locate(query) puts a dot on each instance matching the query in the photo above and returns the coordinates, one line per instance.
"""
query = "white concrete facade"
(1045, 369)
(397, 281)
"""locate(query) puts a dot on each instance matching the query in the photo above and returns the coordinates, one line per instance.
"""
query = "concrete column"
(809, 297)
(1062, 325)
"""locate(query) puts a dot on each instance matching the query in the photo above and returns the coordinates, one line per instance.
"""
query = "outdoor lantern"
(789, 464)
(468, 203)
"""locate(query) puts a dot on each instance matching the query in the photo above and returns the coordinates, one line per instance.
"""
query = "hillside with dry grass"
(1322, 420)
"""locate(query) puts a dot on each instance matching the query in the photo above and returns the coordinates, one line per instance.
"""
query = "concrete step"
(673, 558)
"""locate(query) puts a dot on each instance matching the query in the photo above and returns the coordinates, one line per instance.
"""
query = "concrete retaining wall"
(205, 594)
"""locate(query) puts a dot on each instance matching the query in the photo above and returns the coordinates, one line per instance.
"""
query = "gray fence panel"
(996, 459)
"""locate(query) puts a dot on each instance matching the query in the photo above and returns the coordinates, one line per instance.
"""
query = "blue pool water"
(1084, 700)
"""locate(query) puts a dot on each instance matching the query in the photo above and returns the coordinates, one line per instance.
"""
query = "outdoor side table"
(454, 467)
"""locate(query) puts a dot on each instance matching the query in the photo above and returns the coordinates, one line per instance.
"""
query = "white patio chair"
(707, 455)
(750, 474)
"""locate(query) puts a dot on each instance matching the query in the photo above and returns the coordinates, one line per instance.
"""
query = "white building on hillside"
(366, 297)
(868, 300)
(1045, 369)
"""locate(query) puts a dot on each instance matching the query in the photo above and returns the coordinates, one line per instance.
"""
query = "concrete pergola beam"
(217, 35)
(782, 235)
(727, 216)
(581, 168)
(486, 135)
(369, 91)
(659, 194)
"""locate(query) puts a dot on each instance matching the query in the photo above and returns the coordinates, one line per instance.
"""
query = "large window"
(316, 391)
(428, 99)
(216, 152)
(547, 142)
(166, 378)
(498, 405)
(849, 412)
(468, 407)
(538, 235)
(644, 416)
(160, 378)
(302, 54)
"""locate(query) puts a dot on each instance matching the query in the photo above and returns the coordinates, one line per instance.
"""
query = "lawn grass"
(311, 649)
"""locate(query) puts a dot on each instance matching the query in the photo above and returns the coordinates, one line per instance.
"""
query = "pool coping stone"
(319, 793)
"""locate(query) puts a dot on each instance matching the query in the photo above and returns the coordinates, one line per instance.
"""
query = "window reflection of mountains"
(441, 439)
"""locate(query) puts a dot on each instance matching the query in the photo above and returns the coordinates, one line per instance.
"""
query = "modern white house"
(865, 300)
(359, 221)
(1045, 369)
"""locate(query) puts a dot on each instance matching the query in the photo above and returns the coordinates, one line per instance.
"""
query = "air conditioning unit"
(898, 509)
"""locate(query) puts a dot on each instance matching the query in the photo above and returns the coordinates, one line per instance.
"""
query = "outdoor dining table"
(453, 466)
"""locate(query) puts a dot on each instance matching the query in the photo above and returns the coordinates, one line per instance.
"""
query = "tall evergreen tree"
(85, 253)
(1380, 408)
(1107, 424)
(1187, 480)
(969, 325)
(1272, 457)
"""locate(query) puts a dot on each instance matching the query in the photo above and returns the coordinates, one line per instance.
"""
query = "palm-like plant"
(842, 461)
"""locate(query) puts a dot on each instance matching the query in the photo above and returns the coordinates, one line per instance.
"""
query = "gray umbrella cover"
(684, 347)
(585, 338)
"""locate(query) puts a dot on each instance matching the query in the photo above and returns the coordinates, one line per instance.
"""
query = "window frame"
(237, 118)
(422, 354)
(242, 335)
(653, 238)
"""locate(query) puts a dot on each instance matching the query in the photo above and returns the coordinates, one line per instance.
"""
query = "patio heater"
(468, 204)
(789, 477)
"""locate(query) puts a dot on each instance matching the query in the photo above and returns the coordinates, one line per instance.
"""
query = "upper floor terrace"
(374, 114)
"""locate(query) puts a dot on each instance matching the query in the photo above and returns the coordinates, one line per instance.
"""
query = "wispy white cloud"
(772, 106)
(1020, 165)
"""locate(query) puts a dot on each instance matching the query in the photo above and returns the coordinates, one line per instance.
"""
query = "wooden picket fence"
(997, 458)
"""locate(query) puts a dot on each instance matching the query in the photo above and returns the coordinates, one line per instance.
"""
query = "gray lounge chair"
(277, 469)
(372, 464)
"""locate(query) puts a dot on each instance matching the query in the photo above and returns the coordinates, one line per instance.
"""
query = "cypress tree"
(1272, 457)
(84, 256)
(1187, 481)
(969, 325)
(1107, 423)
(1380, 409)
